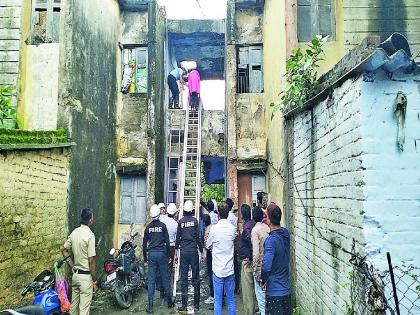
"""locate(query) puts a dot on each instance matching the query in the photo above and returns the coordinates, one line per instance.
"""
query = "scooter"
(46, 300)
(125, 272)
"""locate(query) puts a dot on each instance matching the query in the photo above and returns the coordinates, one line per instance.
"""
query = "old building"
(92, 82)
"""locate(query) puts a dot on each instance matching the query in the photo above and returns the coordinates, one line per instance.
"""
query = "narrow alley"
(268, 149)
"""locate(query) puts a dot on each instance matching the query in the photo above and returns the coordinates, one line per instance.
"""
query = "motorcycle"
(46, 299)
(125, 273)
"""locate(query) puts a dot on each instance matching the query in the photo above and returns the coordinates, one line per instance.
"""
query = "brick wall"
(327, 199)
(392, 177)
(33, 216)
(350, 185)
(10, 21)
(364, 17)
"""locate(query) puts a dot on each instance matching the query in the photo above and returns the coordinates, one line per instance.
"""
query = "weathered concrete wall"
(155, 110)
(132, 129)
(392, 178)
(10, 37)
(213, 123)
(275, 45)
(87, 108)
(40, 93)
(33, 216)
(250, 126)
(327, 198)
(134, 28)
(248, 27)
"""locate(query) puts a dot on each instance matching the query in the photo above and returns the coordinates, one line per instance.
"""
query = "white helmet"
(171, 209)
(188, 206)
(154, 211)
(161, 205)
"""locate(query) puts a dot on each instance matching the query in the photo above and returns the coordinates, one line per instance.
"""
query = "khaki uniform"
(82, 244)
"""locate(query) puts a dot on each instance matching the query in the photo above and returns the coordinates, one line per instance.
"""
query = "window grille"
(45, 21)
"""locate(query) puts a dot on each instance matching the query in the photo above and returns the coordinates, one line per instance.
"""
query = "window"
(176, 140)
(172, 189)
(134, 70)
(45, 21)
(133, 199)
(250, 72)
(315, 17)
(258, 184)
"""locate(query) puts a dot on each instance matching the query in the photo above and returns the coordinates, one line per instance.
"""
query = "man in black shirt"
(188, 240)
(156, 250)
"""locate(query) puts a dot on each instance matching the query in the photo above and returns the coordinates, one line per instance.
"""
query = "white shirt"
(177, 72)
(221, 238)
(233, 219)
(172, 227)
(213, 217)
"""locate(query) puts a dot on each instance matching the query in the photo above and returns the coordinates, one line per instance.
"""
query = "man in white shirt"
(172, 226)
(220, 240)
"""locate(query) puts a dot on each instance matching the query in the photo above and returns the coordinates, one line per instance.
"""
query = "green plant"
(301, 74)
(214, 191)
(297, 311)
(7, 110)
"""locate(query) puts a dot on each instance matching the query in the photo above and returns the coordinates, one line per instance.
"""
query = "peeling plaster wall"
(132, 130)
(87, 109)
(213, 123)
(41, 87)
(250, 126)
(132, 108)
(134, 27)
(248, 27)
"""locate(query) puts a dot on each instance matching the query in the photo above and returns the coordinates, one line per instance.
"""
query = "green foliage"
(27, 137)
(7, 110)
(214, 191)
(301, 75)
(297, 311)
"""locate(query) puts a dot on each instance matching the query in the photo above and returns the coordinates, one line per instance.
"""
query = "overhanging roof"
(134, 5)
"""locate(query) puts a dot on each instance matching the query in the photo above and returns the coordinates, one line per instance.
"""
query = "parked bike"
(46, 300)
(125, 272)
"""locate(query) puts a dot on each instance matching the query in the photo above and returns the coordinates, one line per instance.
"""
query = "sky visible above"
(190, 9)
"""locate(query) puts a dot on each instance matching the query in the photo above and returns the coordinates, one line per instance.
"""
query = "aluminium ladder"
(190, 171)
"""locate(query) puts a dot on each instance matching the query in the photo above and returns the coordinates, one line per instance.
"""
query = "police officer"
(188, 241)
(81, 242)
(172, 227)
(156, 249)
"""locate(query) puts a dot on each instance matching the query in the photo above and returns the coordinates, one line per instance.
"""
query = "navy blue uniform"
(188, 240)
(156, 249)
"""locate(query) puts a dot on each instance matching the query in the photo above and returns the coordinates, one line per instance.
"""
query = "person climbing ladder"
(173, 78)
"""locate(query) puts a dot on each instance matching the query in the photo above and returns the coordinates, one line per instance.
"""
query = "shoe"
(209, 300)
(182, 309)
(171, 302)
(149, 308)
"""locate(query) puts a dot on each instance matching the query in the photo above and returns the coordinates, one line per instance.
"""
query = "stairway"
(190, 181)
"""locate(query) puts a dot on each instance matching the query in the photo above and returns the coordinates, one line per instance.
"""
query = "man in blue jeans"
(220, 240)
(156, 250)
(275, 267)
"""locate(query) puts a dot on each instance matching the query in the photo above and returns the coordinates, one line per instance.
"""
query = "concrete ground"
(104, 303)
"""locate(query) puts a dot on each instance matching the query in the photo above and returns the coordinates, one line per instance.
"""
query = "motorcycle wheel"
(123, 298)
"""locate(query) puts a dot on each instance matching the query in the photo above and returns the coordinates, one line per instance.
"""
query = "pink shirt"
(194, 82)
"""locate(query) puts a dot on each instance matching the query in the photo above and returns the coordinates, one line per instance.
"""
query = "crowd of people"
(252, 260)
